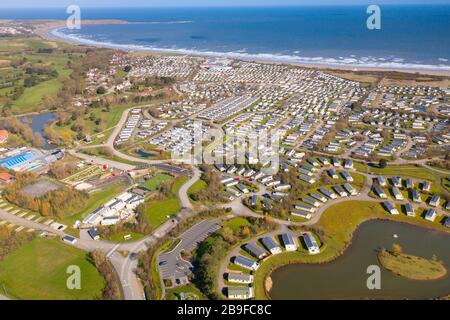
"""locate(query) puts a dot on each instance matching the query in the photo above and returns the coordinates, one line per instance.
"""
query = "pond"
(38, 124)
(143, 154)
(346, 277)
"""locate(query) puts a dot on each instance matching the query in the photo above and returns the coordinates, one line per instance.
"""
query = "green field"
(158, 211)
(32, 97)
(405, 170)
(236, 224)
(153, 183)
(37, 271)
(118, 237)
(197, 186)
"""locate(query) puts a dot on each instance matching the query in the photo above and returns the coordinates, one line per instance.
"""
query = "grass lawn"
(118, 237)
(95, 200)
(405, 170)
(38, 271)
(360, 167)
(199, 185)
(115, 114)
(338, 224)
(158, 211)
(153, 183)
(33, 96)
(191, 292)
(236, 224)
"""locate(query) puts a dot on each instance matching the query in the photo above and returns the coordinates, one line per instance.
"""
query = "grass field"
(159, 211)
(197, 186)
(338, 224)
(153, 183)
(236, 224)
(38, 271)
(32, 97)
(405, 170)
(119, 237)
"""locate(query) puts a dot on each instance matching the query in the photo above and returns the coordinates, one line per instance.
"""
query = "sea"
(411, 36)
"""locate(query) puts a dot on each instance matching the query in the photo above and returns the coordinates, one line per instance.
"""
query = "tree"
(382, 163)
(101, 90)
(38, 141)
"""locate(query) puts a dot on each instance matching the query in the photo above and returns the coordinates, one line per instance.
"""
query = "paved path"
(102, 161)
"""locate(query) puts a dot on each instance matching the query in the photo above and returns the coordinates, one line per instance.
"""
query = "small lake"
(144, 154)
(346, 277)
(38, 124)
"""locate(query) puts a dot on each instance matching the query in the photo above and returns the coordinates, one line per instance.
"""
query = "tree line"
(112, 287)
(56, 203)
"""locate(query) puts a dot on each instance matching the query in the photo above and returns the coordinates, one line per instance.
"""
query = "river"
(346, 277)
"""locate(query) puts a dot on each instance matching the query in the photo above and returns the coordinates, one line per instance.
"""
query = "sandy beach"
(44, 28)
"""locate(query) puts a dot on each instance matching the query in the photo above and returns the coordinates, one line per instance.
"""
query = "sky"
(189, 3)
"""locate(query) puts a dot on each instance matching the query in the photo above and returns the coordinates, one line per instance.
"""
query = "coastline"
(48, 30)
(43, 28)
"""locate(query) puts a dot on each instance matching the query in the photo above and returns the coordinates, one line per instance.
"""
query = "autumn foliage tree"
(57, 203)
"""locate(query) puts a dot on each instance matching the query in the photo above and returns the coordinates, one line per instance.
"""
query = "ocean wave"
(352, 61)
(168, 22)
